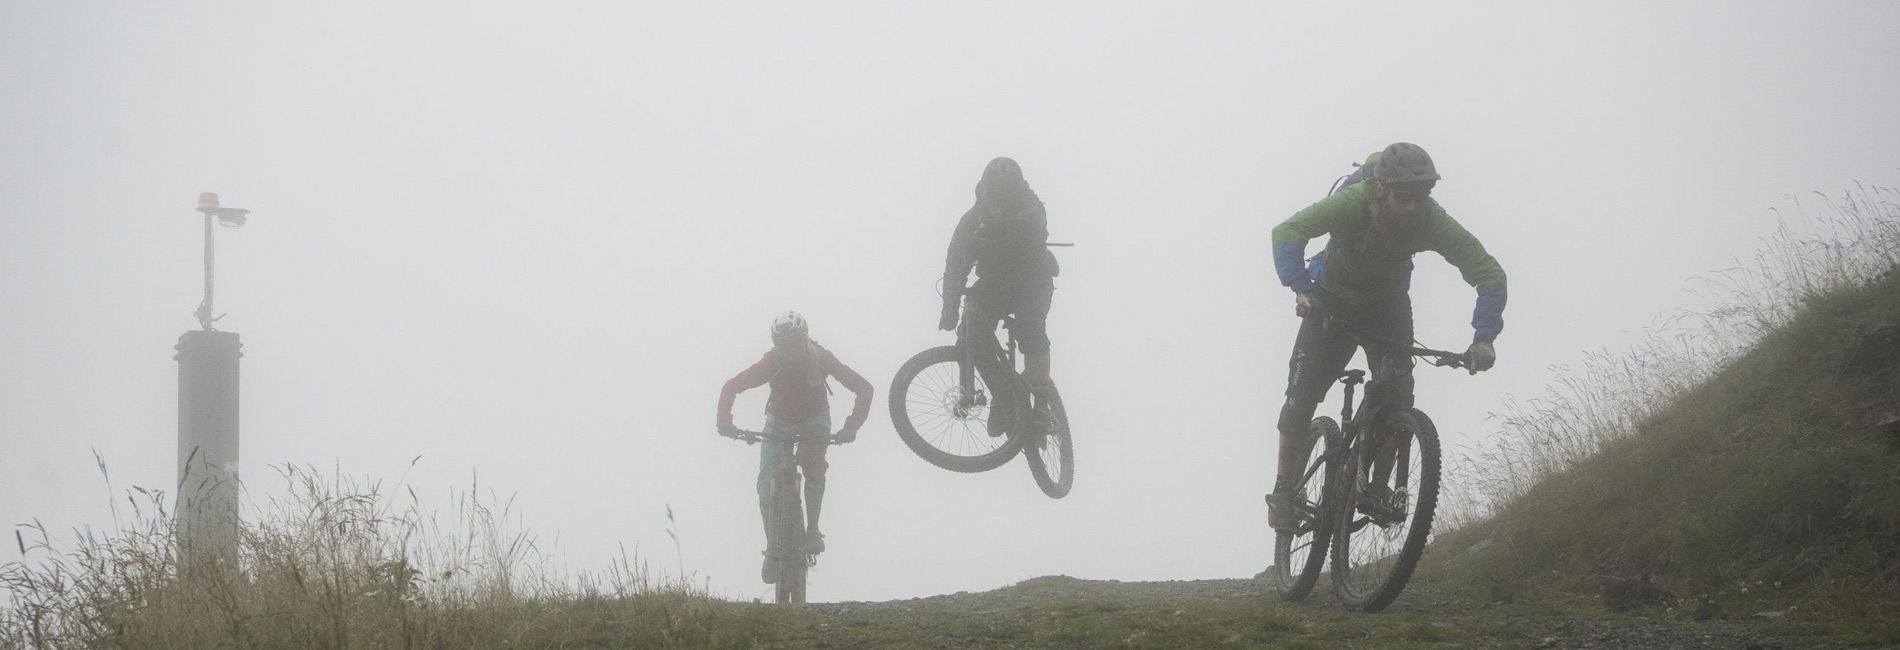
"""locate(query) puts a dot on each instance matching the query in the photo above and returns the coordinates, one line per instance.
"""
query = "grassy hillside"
(1772, 484)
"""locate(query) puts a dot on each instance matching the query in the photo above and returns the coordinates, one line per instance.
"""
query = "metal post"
(208, 447)
(204, 313)
(207, 508)
(208, 204)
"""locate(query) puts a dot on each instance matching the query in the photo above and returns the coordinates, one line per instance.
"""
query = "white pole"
(204, 316)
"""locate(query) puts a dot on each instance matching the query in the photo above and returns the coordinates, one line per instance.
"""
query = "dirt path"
(1062, 612)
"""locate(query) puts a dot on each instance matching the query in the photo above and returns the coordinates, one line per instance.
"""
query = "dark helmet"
(1002, 177)
(1406, 167)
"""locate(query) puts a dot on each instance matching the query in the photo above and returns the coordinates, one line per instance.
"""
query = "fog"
(528, 243)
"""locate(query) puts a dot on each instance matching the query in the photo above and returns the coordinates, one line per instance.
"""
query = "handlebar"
(753, 437)
(1438, 358)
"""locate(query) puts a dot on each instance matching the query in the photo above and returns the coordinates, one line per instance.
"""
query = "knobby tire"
(789, 520)
(1373, 591)
(949, 441)
(1300, 555)
(1052, 457)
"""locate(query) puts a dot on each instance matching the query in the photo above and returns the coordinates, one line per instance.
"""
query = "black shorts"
(1320, 354)
(1026, 299)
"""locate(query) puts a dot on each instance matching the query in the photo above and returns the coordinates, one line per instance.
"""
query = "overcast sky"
(529, 241)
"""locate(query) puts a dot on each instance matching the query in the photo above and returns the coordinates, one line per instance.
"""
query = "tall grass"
(335, 563)
(1827, 245)
(1735, 453)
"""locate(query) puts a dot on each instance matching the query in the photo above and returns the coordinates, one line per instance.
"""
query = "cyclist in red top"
(796, 367)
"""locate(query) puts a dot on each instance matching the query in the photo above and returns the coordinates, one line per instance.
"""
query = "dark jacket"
(1003, 235)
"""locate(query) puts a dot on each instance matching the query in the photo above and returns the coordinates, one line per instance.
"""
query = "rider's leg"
(1391, 372)
(1036, 368)
(983, 305)
(768, 452)
(811, 458)
(1032, 330)
(1319, 356)
(1295, 427)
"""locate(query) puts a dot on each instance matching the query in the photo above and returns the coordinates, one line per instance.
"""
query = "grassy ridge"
(1753, 465)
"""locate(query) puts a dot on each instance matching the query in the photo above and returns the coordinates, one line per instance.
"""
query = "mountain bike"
(966, 408)
(786, 547)
(1368, 495)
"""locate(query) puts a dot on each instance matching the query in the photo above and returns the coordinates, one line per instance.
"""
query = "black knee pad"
(1033, 337)
(1296, 416)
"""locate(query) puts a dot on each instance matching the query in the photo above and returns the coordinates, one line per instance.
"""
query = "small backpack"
(813, 367)
(1360, 172)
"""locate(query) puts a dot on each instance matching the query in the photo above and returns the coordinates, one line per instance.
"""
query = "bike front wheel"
(945, 424)
(791, 584)
(789, 526)
(1382, 510)
(1051, 454)
(1300, 554)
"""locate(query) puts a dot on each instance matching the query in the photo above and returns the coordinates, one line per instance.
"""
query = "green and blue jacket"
(1360, 265)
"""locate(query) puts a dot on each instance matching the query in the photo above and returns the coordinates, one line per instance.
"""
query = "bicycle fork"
(785, 515)
(1376, 456)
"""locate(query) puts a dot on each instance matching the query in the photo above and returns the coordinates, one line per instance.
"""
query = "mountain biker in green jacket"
(1363, 278)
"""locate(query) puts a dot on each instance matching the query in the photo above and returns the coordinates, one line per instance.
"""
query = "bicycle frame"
(783, 463)
(1375, 453)
(980, 347)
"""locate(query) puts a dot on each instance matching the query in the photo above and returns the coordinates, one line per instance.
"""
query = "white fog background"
(527, 242)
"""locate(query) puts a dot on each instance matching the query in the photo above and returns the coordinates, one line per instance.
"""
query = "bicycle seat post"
(1351, 378)
(1009, 325)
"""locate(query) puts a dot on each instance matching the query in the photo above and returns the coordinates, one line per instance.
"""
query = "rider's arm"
(1037, 235)
(747, 379)
(956, 266)
(1290, 237)
(854, 382)
(1480, 269)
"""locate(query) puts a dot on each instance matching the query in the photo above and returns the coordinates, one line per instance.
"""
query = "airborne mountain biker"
(797, 367)
(1003, 236)
(1364, 278)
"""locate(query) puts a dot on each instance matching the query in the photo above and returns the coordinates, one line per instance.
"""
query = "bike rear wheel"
(941, 423)
(1377, 541)
(1051, 455)
(1300, 555)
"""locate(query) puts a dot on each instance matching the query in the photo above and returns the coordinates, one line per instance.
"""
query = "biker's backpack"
(1360, 172)
(813, 367)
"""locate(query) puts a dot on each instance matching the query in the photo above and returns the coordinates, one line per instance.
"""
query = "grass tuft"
(339, 563)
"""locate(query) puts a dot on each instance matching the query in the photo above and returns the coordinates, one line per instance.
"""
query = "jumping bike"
(1368, 494)
(966, 408)
(789, 556)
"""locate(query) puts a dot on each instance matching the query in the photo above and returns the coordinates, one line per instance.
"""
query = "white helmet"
(789, 327)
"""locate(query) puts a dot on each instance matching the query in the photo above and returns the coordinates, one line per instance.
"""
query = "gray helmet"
(1406, 167)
